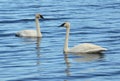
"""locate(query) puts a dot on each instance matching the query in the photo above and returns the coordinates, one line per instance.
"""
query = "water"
(27, 59)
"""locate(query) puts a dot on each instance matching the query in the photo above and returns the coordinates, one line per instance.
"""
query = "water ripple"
(28, 59)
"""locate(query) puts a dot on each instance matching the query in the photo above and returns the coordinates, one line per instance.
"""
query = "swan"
(80, 48)
(32, 33)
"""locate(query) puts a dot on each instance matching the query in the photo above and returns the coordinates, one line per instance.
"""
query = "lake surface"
(30, 59)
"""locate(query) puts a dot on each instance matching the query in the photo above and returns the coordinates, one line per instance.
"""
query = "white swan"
(32, 33)
(81, 48)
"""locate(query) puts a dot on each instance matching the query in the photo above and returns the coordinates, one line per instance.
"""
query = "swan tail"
(104, 49)
(100, 50)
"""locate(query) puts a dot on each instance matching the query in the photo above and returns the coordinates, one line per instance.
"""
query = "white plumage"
(81, 48)
(86, 48)
(27, 33)
(32, 33)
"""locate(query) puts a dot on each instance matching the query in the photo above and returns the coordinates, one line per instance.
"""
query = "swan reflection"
(88, 57)
(80, 58)
(67, 64)
(34, 41)
(38, 41)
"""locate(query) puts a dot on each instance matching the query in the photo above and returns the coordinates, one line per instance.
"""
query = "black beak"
(41, 17)
(62, 25)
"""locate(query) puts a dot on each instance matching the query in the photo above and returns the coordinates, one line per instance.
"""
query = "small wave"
(17, 21)
(7, 35)
(46, 19)
(110, 6)
(27, 20)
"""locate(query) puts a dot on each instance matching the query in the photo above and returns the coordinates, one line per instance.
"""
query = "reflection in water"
(67, 64)
(38, 41)
(30, 40)
(88, 57)
(80, 58)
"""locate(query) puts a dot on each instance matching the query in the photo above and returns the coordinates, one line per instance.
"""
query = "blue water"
(28, 59)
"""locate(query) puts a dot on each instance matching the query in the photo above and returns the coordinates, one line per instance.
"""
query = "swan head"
(65, 24)
(39, 16)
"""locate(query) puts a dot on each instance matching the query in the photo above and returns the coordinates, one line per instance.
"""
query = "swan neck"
(66, 40)
(38, 28)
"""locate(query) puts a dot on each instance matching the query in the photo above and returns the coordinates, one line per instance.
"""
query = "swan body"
(86, 48)
(27, 33)
(31, 33)
(81, 48)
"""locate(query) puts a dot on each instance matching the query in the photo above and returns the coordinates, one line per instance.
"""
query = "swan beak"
(41, 17)
(62, 25)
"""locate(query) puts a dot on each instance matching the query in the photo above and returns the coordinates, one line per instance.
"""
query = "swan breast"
(87, 48)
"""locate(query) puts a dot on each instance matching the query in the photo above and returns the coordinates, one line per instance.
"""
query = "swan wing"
(87, 48)
(27, 33)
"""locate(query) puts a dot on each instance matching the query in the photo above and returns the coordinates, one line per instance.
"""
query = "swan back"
(87, 48)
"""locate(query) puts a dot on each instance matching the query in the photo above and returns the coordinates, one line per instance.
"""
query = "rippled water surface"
(30, 59)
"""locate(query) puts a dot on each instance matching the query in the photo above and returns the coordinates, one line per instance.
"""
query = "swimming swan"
(32, 33)
(81, 48)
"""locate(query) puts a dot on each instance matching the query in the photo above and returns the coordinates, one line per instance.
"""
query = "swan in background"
(32, 33)
(81, 48)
